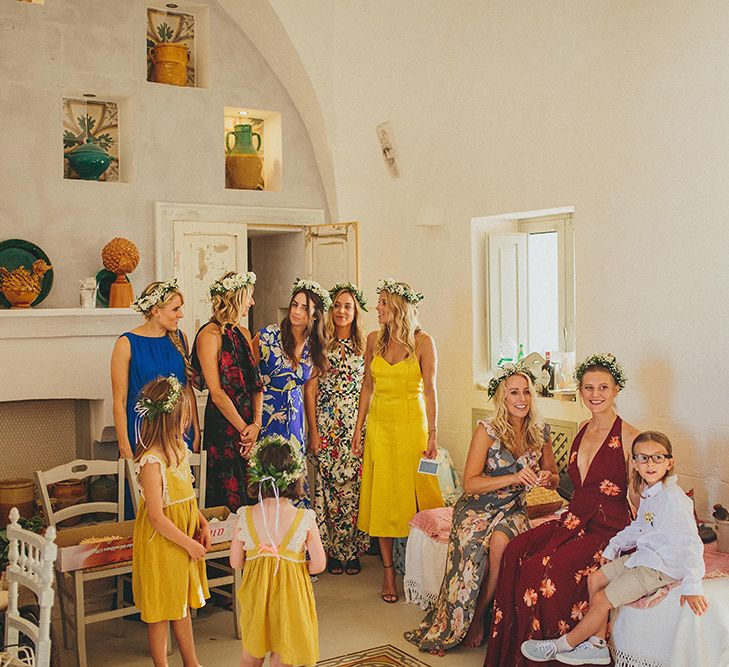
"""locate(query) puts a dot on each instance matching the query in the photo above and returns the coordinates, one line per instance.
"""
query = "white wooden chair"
(71, 585)
(30, 564)
(219, 555)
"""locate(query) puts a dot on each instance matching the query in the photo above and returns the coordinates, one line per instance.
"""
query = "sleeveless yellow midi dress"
(278, 612)
(166, 582)
(393, 490)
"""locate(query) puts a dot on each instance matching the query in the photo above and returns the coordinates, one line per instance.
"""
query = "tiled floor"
(351, 617)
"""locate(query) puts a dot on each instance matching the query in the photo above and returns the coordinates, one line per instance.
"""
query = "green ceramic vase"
(89, 160)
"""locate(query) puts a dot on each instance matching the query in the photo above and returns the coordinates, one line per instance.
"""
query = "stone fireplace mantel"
(62, 353)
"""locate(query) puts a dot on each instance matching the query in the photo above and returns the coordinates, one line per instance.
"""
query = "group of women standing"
(315, 368)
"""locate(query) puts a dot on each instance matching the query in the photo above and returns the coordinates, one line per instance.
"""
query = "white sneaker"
(585, 654)
(539, 650)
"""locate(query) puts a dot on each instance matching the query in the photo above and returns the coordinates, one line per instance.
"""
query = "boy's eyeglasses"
(656, 458)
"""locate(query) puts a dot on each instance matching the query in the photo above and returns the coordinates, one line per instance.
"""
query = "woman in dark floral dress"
(223, 358)
(542, 588)
(331, 402)
(506, 455)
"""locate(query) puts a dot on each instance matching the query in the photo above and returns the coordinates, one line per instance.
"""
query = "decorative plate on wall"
(15, 253)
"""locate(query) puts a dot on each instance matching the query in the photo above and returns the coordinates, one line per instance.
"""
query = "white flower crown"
(233, 283)
(355, 291)
(606, 361)
(144, 303)
(394, 287)
(146, 407)
(316, 288)
(505, 371)
(281, 479)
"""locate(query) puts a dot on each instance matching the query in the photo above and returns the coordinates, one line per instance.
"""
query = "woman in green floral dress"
(331, 402)
(508, 455)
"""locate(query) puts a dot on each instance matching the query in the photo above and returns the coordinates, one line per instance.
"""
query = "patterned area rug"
(380, 656)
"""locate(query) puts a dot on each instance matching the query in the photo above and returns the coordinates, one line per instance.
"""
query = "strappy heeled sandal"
(390, 598)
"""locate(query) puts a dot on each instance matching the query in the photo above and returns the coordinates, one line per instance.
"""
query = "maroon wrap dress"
(542, 589)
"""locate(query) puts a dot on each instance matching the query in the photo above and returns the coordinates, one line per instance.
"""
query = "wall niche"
(253, 149)
(176, 41)
(91, 149)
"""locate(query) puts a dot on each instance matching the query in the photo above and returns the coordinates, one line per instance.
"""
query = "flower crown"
(355, 291)
(233, 283)
(505, 371)
(606, 361)
(281, 479)
(146, 407)
(146, 302)
(316, 288)
(390, 285)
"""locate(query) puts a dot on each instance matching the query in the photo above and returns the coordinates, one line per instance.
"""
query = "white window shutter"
(507, 281)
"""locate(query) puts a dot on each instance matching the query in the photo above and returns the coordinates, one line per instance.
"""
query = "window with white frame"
(531, 287)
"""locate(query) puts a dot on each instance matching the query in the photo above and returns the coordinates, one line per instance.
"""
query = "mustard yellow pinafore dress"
(278, 612)
(393, 490)
(166, 582)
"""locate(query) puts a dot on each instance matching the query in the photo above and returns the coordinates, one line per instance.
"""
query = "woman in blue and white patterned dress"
(290, 354)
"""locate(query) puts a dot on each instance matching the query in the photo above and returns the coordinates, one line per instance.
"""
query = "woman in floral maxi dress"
(223, 358)
(331, 406)
(504, 457)
(288, 355)
(542, 588)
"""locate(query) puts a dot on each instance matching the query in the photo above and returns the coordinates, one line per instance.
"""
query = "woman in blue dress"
(289, 354)
(155, 349)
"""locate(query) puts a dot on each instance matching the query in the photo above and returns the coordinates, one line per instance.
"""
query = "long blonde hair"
(403, 321)
(533, 438)
(174, 336)
(227, 307)
(357, 332)
(636, 481)
(164, 429)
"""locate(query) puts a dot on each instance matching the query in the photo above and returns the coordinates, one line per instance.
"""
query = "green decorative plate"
(15, 253)
(104, 279)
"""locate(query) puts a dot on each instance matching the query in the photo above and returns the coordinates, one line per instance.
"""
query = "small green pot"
(89, 160)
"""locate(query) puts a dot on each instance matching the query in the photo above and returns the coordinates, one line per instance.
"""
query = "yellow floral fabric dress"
(278, 612)
(166, 582)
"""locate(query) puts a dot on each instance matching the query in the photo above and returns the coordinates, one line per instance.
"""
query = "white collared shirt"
(665, 535)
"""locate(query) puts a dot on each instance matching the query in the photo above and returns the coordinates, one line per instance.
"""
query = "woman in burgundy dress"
(222, 356)
(542, 589)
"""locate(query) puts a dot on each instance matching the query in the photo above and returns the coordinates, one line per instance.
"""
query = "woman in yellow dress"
(171, 535)
(278, 613)
(399, 404)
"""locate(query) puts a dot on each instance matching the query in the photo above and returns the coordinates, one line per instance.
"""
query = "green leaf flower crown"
(606, 361)
(146, 407)
(393, 287)
(281, 479)
(145, 303)
(233, 283)
(313, 286)
(505, 371)
(355, 291)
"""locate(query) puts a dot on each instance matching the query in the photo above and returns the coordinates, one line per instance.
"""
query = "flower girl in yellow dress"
(171, 536)
(276, 597)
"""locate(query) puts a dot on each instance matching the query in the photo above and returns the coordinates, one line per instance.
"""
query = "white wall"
(174, 147)
(616, 108)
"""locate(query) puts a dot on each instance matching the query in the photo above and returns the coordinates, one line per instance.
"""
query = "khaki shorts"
(628, 584)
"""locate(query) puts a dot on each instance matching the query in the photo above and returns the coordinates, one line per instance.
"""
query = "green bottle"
(520, 356)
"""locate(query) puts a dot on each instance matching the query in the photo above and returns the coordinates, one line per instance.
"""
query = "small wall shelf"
(251, 125)
(175, 45)
(91, 122)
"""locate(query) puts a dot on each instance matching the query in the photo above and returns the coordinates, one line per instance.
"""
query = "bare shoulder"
(628, 434)
(424, 341)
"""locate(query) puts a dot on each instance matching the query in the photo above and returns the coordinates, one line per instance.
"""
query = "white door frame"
(166, 213)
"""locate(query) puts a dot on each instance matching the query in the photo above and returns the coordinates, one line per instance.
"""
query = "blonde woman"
(508, 454)
(223, 357)
(331, 401)
(398, 400)
(155, 349)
